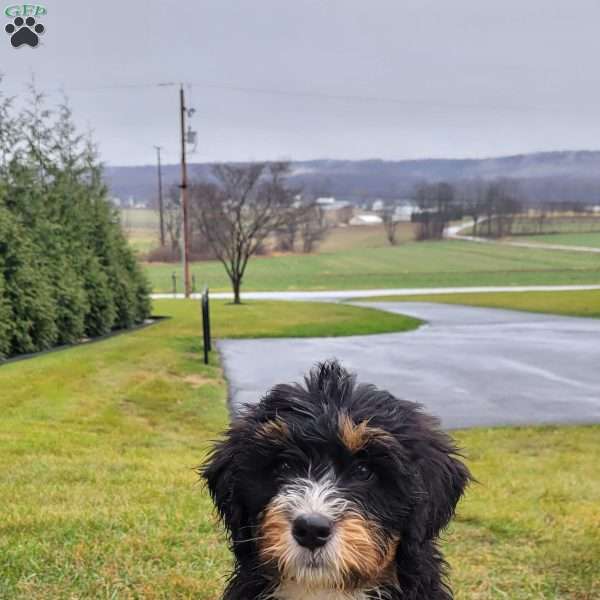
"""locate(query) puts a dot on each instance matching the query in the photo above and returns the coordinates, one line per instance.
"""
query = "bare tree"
(436, 202)
(390, 223)
(313, 226)
(236, 213)
(173, 218)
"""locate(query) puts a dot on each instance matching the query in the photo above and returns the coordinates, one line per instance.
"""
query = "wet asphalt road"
(469, 366)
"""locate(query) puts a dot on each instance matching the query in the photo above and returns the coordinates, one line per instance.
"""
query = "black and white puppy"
(334, 490)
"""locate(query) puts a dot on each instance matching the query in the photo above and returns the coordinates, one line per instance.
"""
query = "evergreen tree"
(65, 268)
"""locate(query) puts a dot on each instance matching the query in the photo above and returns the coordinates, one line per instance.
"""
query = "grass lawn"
(591, 240)
(418, 264)
(576, 304)
(99, 497)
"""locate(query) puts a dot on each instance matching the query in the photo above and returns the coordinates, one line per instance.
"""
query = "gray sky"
(387, 79)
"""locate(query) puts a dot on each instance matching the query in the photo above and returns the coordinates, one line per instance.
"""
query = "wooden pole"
(184, 199)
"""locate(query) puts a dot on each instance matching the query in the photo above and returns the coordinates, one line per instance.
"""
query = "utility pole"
(160, 198)
(184, 198)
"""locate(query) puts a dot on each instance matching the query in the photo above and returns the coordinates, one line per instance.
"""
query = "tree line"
(492, 205)
(66, 271)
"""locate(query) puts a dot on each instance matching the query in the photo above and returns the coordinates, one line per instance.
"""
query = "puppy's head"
(324, 484)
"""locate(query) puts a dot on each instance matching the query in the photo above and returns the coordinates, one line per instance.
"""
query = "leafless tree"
(313, 227)
(436, 203)
(173, 218)
(471, 196)
(240, 209)
(390, 223)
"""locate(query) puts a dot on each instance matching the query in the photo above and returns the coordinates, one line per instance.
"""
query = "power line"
(318, 95)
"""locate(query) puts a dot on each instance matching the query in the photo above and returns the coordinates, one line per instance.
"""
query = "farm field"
(418, 264)
(584, 303)
(341, 239)
(140, 226)
(100, 498)
(591, 240)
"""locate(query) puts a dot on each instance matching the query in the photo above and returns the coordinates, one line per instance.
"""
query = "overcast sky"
(354, 79)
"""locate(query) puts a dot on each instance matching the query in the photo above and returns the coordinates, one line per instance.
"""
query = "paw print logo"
(24, 31)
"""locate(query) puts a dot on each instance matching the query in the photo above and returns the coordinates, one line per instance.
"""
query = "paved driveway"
(470, 366)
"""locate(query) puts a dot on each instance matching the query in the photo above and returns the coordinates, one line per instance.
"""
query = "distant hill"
(543, 176)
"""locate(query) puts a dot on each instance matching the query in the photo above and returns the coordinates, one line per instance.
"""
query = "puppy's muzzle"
(312, 530)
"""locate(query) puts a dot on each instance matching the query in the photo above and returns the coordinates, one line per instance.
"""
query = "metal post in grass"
(193, 284)
(208, 319)
(174, 281)
(205, 325)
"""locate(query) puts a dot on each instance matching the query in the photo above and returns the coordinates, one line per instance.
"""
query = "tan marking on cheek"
(363, 553)
(356, 436)
(274, 542)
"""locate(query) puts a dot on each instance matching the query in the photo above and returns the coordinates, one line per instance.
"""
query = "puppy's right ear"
(220, 474)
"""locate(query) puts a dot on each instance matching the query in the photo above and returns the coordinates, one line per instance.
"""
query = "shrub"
(65, 268)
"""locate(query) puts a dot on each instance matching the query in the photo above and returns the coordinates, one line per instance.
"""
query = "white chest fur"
(293, 591)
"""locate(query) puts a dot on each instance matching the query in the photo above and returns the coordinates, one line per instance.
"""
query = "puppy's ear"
(220, 475)
(443, 479)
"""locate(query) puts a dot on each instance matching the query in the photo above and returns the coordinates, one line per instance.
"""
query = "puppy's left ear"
(444, 478)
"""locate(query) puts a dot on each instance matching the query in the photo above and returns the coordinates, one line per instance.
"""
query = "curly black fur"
(417, 478)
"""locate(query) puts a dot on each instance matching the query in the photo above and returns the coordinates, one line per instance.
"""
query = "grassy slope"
(100, 500)
(430, 264)
(567, 239)
(576, 304)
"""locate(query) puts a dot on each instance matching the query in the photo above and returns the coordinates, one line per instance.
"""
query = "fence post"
(193, 283)
(174, 280)
(205, 325)
(208, 336)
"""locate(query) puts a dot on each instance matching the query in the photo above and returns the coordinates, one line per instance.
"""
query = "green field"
(591, 240)
(584, 303)
(341, 239)
(140, 226)
(100, 499)
(418, 264)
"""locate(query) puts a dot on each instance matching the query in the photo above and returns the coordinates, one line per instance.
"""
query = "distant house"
(378, 206)
(404, 210)
(336, 212)
(366, 219)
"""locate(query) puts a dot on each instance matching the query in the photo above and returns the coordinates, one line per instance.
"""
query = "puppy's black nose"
(312, 531)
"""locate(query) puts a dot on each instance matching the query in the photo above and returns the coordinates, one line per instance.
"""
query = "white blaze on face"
(305, 496)
(296, 563)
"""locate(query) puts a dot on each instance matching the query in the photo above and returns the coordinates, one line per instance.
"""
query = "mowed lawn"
(590, 240)
(416, 264)
(584, 303)
(100, 498)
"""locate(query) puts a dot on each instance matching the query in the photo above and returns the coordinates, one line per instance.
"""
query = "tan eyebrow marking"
(357, 436)
(274, 429)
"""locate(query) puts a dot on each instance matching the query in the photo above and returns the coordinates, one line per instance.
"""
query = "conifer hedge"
(66, 271)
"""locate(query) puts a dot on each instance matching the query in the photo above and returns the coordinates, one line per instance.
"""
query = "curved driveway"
(470, 366)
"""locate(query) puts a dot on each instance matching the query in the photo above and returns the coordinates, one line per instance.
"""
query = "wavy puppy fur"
(333, 490)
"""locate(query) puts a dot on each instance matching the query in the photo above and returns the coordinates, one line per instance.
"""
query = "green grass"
(99, 498)
(570, 303)
(341, 239)
(591, 240)
(139, 218)
(425, 264)
(531, 528)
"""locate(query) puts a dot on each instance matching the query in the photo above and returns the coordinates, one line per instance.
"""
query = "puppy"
(335, 491)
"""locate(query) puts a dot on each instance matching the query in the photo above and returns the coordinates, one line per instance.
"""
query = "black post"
(174, 280)
(208, 321)
(205, 326)
(193, 284)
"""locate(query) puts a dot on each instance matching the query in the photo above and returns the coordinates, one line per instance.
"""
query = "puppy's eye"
(362, 472)
(282, 468)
